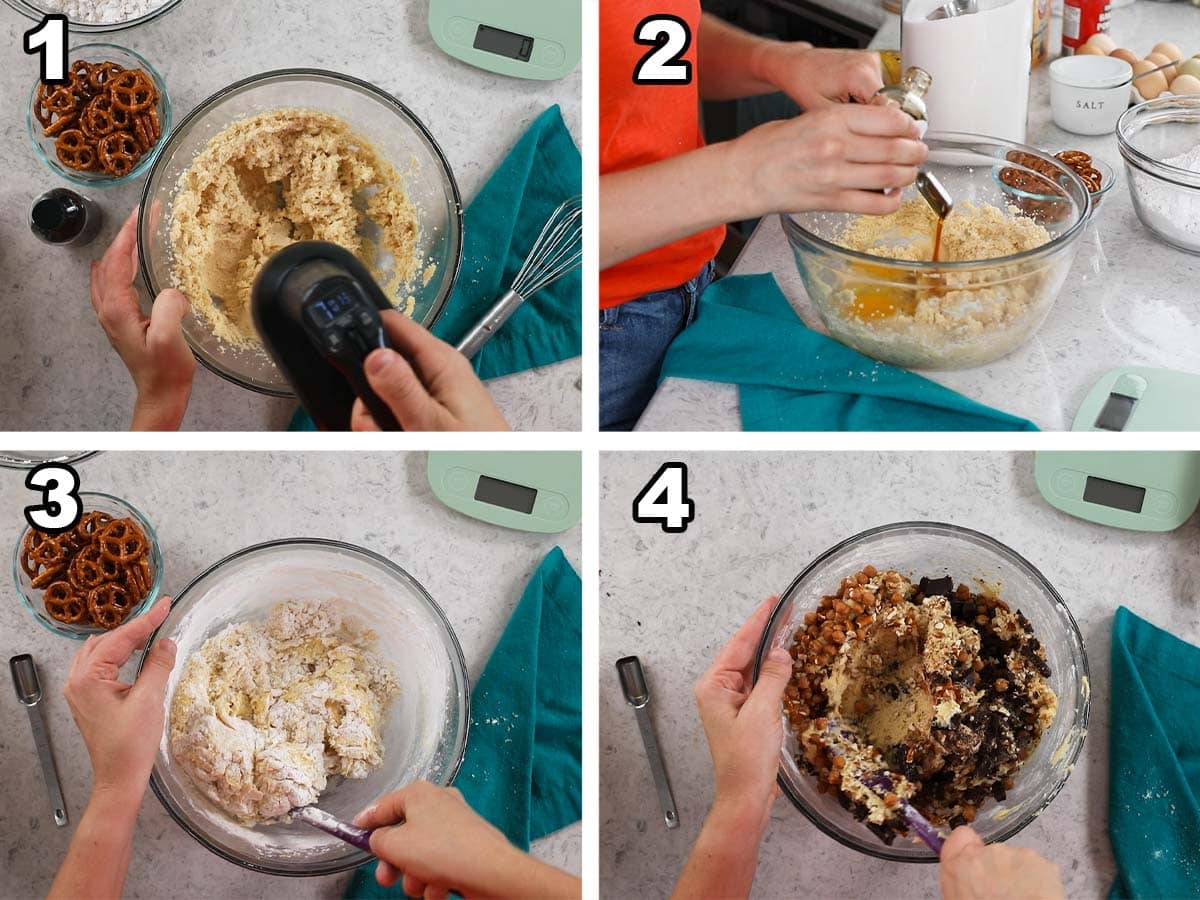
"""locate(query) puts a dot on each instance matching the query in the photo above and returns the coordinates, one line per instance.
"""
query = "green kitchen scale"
(1138, 399)
(535, 491)
(539, 39)
(1138, 490)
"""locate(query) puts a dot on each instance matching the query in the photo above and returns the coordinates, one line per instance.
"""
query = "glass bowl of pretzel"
(1029, 195)
(103, 572)
(105, 126)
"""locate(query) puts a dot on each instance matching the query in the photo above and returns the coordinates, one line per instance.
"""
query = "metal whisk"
(558, 251)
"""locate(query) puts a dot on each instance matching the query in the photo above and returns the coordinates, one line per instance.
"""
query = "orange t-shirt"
(642, 124)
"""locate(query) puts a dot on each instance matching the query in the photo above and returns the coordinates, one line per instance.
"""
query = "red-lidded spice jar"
(1082, 19)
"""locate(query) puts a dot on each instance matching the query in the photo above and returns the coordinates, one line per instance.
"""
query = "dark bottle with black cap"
(61, 216)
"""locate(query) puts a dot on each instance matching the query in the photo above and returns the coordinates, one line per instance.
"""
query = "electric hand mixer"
(317, 309)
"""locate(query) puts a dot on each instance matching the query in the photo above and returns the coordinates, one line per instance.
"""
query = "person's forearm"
(722, 862)
(98, 857)
(160, 413)
(732, 63)
(521, 877)
(653, 205)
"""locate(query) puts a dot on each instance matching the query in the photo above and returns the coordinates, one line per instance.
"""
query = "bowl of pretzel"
(104, 571)
(1028, 193)
(105, 125)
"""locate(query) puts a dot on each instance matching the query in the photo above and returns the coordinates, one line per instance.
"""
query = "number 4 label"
(664, 500)
(670, 37)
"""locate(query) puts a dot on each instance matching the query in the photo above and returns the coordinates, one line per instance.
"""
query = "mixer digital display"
(504, 43)
(325, 310)
(1115, 494)
(506, 494)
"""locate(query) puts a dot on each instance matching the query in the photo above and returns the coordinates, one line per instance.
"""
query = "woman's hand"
(153, 349)
(972, 871)
(428, 837)
(834, 159)
(121, 723)
(742, 719)
(816, 78)
(431, 387)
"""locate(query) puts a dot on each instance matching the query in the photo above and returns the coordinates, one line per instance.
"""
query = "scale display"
(538, 39)
(504, 43)
(1141, 399)
(1138, 490)
(506, 494)
(531, 491)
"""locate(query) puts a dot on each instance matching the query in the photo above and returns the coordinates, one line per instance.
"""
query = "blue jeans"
(634, 338)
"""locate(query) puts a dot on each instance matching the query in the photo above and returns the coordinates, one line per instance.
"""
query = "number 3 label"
(61, 507)
(670, 37)
(664, 500)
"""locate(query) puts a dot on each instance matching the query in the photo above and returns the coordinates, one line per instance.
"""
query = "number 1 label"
(50, 40)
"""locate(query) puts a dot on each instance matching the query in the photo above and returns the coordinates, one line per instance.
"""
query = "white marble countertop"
(1130, 300)
(760, 518)
(60, 374)
(379, 501)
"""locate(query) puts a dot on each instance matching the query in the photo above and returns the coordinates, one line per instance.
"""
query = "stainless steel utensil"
(637, 695)
(954, 8)
(935, 194)
(29, 693)
(557, 251)
(323, 821)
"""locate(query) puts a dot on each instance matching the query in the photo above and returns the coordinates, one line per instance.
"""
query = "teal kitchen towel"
(542, 170)
(792, 378)
(499, 228)
(1154, 761)
(523, 769)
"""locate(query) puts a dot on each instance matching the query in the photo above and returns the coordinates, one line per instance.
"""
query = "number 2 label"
(50, 40)
(664, 500)
(61, 506)
(670, 37)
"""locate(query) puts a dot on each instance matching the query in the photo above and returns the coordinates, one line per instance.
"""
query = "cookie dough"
(267, 712)
(274, 179)
(943, 689)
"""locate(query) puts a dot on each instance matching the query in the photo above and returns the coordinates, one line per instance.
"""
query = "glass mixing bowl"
(425, 734)
(1166, 197)
(378, 117)
(946, 315)
(31, 597)
(917, 549)
(37, 12)
(45, 147)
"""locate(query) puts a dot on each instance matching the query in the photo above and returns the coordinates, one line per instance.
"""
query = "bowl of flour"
(96, 16)
(1159, 141)
(309, 671)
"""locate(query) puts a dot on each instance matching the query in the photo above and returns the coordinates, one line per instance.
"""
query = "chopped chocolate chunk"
(937, 587)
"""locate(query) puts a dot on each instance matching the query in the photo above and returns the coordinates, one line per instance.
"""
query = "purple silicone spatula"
(842, 739)
(351, 834)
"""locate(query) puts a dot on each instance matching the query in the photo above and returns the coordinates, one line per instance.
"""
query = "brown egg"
(1161, 59)
(1169, 50)
(1185, 84)
(1103, 41)
(1149, 86)
(1121, 53)
(1089, 50)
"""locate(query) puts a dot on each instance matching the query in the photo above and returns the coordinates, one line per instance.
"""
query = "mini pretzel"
(109, 604)
(133, 91)
(63, 604)
(60, 100)
(74, 151)
(1074, 158)
(97, 118)
(85, 572)
(81, 71)
(92, 523)
(119, 153)
(47, 577)
(138, 579)
(50, 552)
(102, 75)
(122, 541)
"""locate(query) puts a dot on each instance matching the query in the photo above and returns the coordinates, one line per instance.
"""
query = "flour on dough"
(267, 712)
